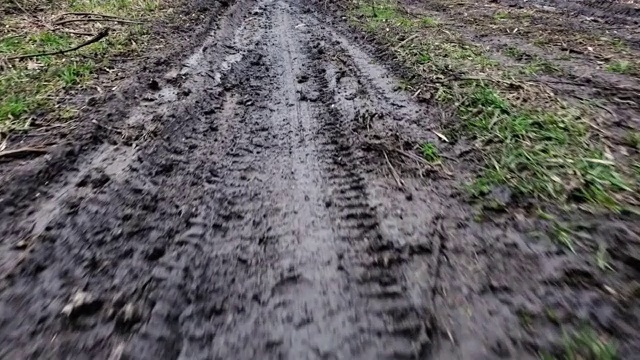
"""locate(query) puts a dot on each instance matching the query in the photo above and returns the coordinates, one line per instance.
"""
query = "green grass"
(539, 147)
(632, 139)
(514, 52)
(129, 8)
(620, 67)
(539, 66)
(501, 15)
(429, 22)
(562, 235)
(602, 258)
(430, 152)
(585, 345)
(33, 85)
(542, 154)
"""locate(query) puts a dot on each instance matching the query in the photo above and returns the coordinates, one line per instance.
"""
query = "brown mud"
(266, 201)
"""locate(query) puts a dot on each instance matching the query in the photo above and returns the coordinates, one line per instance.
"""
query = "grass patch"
(532, 142)
(427, 21)
(585, 344)
(430, 152)
(501, 15)
(31, 86)
(620, 67)
(632, 139)
(514, 52)
(538, 153)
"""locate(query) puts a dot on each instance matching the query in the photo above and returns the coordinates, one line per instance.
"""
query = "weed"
(632, 139)
(430, 152)
(428, 22)
(620, 67)
(602, 258)
(514, 52)
(562, 235)
(525, 318)
(73, 74)
(501, 15)
(540, 66)
(552, 315)
(585, 344)
(424, 58)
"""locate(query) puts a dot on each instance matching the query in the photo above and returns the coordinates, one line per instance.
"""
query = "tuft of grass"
(562, 235)
(430, 152)
(501, 15)
(538, 153)
(428, 22)
(514, 52)
(620, 67)
(632, 139)
(586, 344)
(75, 73)
(602, 258)
(539, 66)
(424, 58)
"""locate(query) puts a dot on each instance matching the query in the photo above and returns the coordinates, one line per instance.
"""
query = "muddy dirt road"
(265, 212)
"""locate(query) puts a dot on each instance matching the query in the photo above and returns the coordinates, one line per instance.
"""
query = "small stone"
(155, 253)
(128, 315)
(22, 244)
(154, 85)
(82, 303)
(243, 259)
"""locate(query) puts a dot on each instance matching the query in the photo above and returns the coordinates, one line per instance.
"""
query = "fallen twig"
(393, 171)
(62, 22)
(57, 18)
(405, 41)
(22, 151)
(95, 39)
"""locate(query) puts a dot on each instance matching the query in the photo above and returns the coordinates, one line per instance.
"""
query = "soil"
(260, 196)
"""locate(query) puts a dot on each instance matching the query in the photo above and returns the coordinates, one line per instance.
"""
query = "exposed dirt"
(265, 200)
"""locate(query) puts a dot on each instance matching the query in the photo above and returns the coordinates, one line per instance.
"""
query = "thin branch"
(73, 32)
(22, 151)
(62, 22)
(95, 39)
(57, 18)
(393, 171)
(406, 41)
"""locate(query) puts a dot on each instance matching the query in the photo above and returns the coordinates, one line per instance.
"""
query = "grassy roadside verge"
(540, 146)
(30, 88)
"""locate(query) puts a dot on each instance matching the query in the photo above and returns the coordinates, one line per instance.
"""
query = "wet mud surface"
(272, 207)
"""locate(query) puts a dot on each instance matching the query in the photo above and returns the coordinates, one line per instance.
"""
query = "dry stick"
(405, 41)
(22, 151)
(393, 171)
(88, 14)
(58, 23)
(82, 33)
(95, 39)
